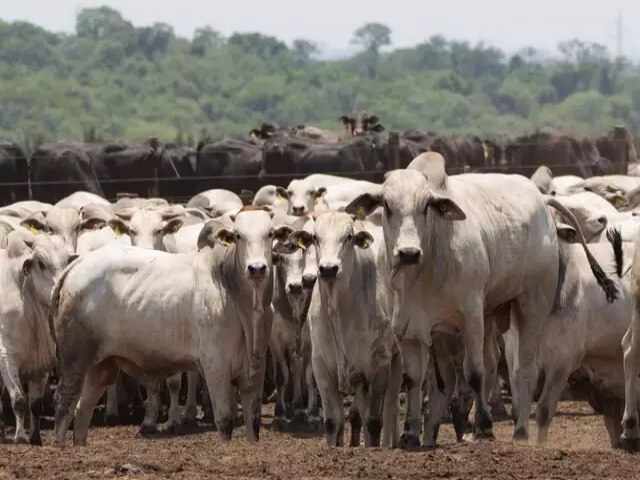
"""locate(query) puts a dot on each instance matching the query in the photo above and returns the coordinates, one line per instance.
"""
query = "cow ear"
(27, 266)
(446, 208)
(376, 128)
(301, 238)
(282, 193)
(225, 237)
(72, 257)
(283, 248)
(172, 226)
(365, 203)
(345, 120)
(282, 232)
(363, 239)
(566, 233)
(319, 192)
(371, 119)
(125, 213)
(34, 225)
(92, 224)
(118, 226)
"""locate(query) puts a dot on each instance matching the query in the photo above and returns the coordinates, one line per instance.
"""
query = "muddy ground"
(578, 449)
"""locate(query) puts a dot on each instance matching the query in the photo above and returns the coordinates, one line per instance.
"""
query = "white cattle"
(295, 275)
(94, 230)
(29, 266)
(584, 329)
(564, 184)
(459, 248)
(25, 208)
(351, 340)
(304, 198)
(169, 313)
(78, 200)
(592, 212)
(217, 201)
(272, 196)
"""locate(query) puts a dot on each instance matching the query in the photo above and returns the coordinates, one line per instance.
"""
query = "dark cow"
(13, 169)
(562, 153)
(360, 123)
(228, 157)
(461, 153)
(62, 161)
(617, 147)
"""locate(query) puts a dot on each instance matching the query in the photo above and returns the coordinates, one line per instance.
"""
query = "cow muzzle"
(294, 288)
(257, 270)
(328, 271)
(298, 211)
(409, 255)
(308, 281)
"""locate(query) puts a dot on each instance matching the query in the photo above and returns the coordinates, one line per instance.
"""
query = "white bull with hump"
(169, 313)
(458, 248)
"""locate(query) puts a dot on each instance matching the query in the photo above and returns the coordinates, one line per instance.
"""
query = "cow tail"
(436, 369)
(607, 285)
(55, 301)
(615, 239)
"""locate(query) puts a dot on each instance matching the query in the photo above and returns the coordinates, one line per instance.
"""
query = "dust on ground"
(578, 448)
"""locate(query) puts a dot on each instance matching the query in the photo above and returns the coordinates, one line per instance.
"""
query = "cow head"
(146, 227)
(416, 208)
(64, 222)
(252, 236)
(590, 211)
(359, 123)
(302, 197)
(43, 258)
(335, 239)
(296, 267)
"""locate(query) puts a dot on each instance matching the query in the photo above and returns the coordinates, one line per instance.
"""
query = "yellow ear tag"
(279, 196)
(301, 245)
(225, 243)
(117, 231)
(361, 215)
(316, 200)
(33, 229)
(366, 242)
(448, 214)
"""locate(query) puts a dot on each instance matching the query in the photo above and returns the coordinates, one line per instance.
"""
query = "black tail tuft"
(609, 287)
(615, 238)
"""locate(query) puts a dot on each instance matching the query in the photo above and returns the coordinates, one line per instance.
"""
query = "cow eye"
(270, 235)
(133, 232)
(238, 237)
(349, 237)
(42, 265)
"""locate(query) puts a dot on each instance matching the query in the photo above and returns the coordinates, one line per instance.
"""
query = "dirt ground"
(578, 449)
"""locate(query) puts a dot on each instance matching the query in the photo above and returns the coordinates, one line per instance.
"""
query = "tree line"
(114, 80)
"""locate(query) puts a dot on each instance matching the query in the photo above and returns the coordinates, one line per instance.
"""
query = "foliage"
(113, 79)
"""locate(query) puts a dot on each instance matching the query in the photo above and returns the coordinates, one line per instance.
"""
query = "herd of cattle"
(273, 155)
(417, 287)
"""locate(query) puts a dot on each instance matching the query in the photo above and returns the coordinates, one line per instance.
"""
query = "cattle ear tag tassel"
(361, 214)
(301, 245)
(117, 232)
(225, 243)
(33, 229)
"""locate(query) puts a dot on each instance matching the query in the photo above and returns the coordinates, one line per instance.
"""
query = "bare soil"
(579, 448)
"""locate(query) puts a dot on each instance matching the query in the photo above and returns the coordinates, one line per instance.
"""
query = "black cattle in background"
(14, 169)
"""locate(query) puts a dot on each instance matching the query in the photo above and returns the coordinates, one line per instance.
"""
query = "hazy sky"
(508, 24)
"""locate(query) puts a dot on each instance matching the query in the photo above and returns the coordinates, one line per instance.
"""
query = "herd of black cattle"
(273, 155)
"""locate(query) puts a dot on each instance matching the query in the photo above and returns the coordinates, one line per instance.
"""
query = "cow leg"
(511, 357)
(282, 379)
(191, 405)
(223, 398)
(92, 390)
(11, 380)
(332, 403)
(630, 439)
(474, 367)
(614, 429)
(374, 404)
(150, 422)
(174, 383)
(111, 416)
(413, 363)
(297, 373)
(313, 417)
(2, 432)
(555, 381)
(439, 402)
(390, 410)
(356, 413)
(36, 393)
(251, 408)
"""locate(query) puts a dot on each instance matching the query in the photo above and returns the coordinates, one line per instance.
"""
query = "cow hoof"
(148, 429)
(111, 421)
(20, 440)
(173, 428)
(631, 444)
(279, 424)
(521, 435)
(36, 440)
(484, 435)
(207, 416)
(299, 418)
(409, 441)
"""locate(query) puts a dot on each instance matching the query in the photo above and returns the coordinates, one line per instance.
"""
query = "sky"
(507, 24)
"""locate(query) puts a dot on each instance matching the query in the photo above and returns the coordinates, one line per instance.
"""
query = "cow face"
(297, 267)
(590, 211)
(45, 262)
(146, 227)
(64, 222)
(335, 239)
(253, 235)
(303, 197)
(411, 211)
(359, 123)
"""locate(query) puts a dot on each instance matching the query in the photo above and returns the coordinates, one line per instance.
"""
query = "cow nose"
(295, 288)
(257, 270)
(409, 256)
(328, 270)
(298, 211)
(308, 280)
(602, 220)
